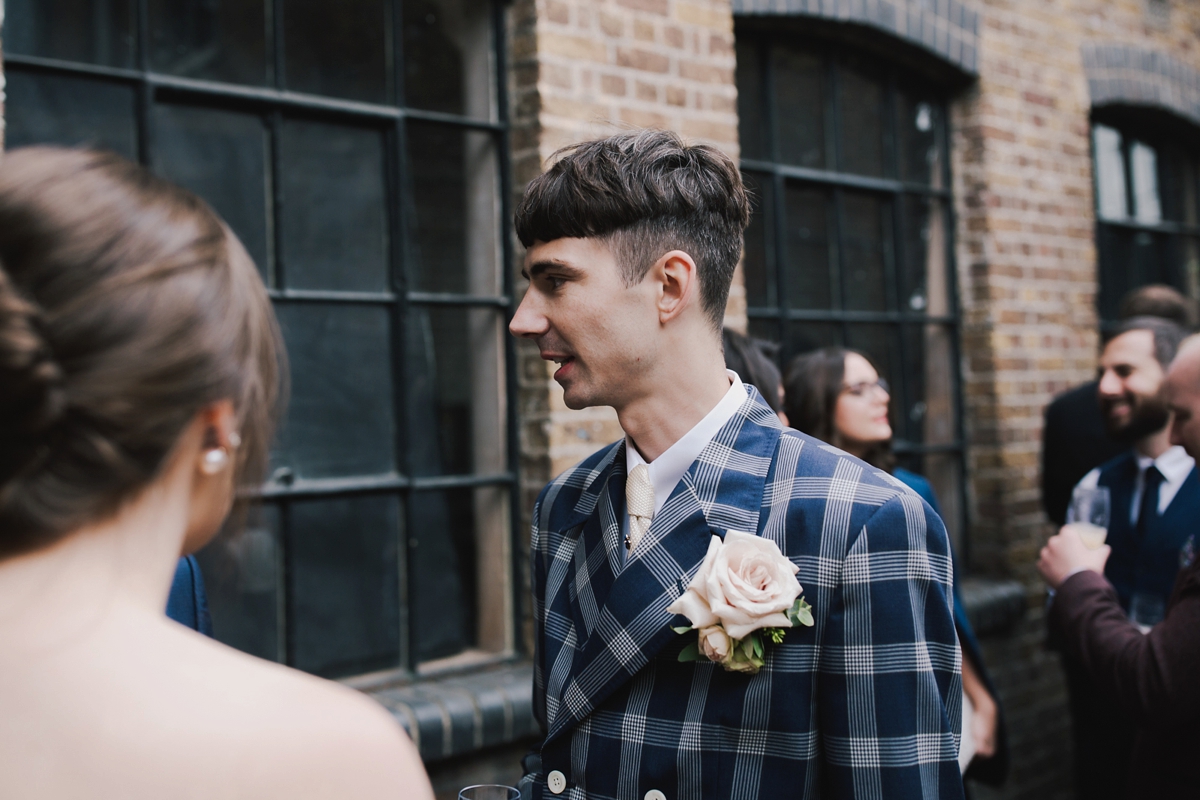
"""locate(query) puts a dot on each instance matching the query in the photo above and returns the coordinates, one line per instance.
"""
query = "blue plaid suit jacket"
(864, 704)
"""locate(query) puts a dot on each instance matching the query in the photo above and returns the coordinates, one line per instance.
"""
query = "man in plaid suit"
(631, 246)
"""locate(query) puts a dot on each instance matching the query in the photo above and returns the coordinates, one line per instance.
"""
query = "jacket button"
(655, 794)
(558, 782)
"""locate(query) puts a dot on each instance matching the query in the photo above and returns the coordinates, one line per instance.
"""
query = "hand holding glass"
(1090, 508)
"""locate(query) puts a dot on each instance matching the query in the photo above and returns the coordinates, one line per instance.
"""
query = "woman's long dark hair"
(811, 388)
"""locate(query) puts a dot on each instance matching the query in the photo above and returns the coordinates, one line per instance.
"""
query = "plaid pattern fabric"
(865, 704)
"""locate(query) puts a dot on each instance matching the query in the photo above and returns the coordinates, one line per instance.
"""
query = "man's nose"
(1110, 384)
(528, 322)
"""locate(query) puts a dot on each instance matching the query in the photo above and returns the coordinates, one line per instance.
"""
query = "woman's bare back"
(140, 707)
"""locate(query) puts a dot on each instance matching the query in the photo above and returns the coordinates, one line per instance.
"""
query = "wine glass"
(489, 791)
(1090, 509)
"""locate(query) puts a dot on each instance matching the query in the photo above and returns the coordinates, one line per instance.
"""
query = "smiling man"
(1155, 502)
(631, 246)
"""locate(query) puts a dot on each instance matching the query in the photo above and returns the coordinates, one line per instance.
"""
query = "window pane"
(344, 577)
(799, 107)
(866, 221)
(925, 280)
(1110, 173)
(242, 580)
(448, 57)
(917, 141)
(766, 329)
(1144, 165)
(862, 130)
(455, 244)
(808, 281)
(51, 109)
(221, 156)
(758, 263)
(92, 31)
(804, 337)
(336, 49)
(752, 130)
(219, 40)
(456, 390)
(340, 419)
(460, 547)
(334, 214)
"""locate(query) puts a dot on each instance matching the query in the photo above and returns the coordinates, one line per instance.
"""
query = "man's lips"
(564, 361)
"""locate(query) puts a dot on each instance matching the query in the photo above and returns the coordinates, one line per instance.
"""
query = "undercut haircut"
(645, 193)
(1167, 336)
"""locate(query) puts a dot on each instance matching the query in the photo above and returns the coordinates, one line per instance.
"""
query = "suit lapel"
(629, 623)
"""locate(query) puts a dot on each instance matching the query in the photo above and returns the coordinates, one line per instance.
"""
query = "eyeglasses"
(862, 388)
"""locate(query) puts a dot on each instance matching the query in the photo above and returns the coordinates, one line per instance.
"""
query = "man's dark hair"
(1159, 300)
(645, 193)
(749, 359)
(1167, 335)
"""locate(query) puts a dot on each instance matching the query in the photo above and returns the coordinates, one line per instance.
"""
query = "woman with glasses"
(838, 396)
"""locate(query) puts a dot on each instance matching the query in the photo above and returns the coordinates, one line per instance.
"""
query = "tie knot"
(639, 494)
(1153, 476)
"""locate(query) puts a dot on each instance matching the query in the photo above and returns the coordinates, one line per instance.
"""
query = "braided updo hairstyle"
(126, 306)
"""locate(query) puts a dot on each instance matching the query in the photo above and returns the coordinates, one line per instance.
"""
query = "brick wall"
(1027, 266)
(588, 68)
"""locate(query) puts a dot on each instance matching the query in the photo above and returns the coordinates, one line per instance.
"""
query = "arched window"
(1146, 186)
(850, 243)
(356, 148)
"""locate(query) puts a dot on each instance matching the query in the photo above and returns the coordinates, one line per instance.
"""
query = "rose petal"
(741, 631)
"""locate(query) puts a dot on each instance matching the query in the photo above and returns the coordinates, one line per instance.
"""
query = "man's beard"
(1149, 415)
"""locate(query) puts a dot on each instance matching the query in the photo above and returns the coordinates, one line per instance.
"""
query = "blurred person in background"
(139, 365)
(1074, 438)
(1151, 675)
(1155, 502)
(753, 361)
(837, 395)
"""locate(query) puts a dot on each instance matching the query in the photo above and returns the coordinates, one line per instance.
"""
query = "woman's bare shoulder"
(298, 735)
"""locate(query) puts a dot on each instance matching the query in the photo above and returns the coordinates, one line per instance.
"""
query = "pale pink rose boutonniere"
(744, 591)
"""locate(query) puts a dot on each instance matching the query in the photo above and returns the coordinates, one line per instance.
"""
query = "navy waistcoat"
(1147, 567)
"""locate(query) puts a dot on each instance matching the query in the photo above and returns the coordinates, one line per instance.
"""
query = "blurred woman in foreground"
(138, 381)
(837, 395)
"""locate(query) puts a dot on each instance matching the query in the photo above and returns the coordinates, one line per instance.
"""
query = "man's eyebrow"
(538, 267)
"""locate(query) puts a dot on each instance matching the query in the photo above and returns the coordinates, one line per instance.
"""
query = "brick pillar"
(1027, 265)
(587, 68)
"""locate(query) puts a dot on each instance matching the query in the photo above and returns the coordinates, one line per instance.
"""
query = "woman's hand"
(985, 721)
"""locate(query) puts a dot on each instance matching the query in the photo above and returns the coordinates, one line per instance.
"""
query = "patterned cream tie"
(639, 502)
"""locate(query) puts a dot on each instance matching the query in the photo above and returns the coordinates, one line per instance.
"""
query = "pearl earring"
(214, 461)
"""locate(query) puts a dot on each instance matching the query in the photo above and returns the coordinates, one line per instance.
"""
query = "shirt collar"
(666, 470)
(1174, 464)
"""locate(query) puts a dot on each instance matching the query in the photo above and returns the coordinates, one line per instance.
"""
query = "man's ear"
(678, 282)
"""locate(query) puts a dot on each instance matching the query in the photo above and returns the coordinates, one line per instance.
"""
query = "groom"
(632, 243)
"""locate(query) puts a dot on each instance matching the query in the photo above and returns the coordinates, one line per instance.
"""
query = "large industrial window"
(357, 149)
(1146, 185)
(850, 240)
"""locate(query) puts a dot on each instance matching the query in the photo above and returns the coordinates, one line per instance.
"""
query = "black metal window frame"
(273, 103)
(779, 174)
(1168, 136)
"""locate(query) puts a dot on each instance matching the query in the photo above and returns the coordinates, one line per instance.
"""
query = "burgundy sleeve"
(1153, 675)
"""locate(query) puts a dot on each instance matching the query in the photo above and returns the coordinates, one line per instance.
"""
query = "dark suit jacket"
(187, 603)
(1155, 676)
(1073, 442)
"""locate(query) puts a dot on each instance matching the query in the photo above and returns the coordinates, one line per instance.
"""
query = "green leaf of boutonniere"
(682, 628)
(691, 652)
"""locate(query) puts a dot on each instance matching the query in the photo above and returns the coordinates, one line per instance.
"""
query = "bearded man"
(1155, 502)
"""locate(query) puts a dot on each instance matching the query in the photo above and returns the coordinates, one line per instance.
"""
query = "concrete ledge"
(947, 28)
(464, 713)
(993, 606)
(1131, 75)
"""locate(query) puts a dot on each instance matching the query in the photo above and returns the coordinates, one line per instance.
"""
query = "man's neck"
(1155, 444)
(673, 405)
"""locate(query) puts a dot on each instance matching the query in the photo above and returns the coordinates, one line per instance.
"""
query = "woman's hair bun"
(32, 397)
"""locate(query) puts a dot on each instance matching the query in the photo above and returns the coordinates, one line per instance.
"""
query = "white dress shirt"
(667, 470)
(1175, 465)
